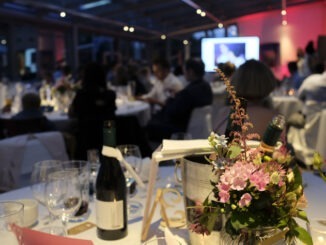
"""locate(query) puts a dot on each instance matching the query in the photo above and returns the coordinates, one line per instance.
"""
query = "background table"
(287, 105)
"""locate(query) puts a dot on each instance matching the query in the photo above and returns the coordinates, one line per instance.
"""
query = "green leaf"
(303, 235)
(303, 215)
(297, 177)
(235, 151)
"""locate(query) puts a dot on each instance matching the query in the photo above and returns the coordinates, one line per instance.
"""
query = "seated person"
(166, 84)
(254, 82)
(175, 115)
(31, 104)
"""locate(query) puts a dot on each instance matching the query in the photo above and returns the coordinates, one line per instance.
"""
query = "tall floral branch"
(239, 117)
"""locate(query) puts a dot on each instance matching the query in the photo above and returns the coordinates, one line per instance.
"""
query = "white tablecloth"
(287, 105)
(140, 109)
(134, 226)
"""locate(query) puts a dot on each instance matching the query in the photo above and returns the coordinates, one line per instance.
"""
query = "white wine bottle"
(111, 203)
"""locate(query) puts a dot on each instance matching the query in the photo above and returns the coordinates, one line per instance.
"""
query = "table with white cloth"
(287, 105)
(315, 192)
(137, 108)
(166, 177)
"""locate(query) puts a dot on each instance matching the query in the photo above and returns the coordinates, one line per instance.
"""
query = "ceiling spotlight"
(163, 37)
(203, 14)
(283, 12)
(131, 29)
(62, 14)
(220, 25)
(3, 41)
(198, 11)
(284, 22)
(125, 28)
(185, 42)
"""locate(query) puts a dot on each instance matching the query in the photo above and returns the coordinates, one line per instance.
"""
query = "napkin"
(31, 237)
(185, 146)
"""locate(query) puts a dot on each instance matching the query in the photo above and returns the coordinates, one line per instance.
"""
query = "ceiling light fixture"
(185, 42)
(3, 41)
(163, 37)
(198, 11)
(131, 29)
(94, 4)
(126, 28)
(63, 14)
(284, 13)
(220, 25)
(203, 14)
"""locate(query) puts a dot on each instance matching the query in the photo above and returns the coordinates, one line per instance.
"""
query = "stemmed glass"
(93, 157)
(132, 155)
(39, 176)
(63, 194)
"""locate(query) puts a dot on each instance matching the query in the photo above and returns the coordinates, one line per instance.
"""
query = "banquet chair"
(200, 122)
(309, 139)
(19, 153)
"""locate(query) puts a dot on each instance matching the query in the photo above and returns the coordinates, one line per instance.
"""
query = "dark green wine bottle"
(111, 203)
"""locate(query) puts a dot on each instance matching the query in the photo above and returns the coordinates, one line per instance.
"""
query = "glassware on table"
(132, 155)
(10, 213)
(63, 195)
(82, 168)
(162, 241)
(93, 158)
(40, 172)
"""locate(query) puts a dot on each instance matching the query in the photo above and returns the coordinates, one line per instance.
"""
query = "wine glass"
(63, 194)
(93, 157)
(132, 155)
(39, 176)
(83, 171)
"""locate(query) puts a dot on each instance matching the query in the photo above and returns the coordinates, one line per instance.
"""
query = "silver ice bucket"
(196, 175)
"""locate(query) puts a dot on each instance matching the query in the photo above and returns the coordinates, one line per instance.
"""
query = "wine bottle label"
(109, 215)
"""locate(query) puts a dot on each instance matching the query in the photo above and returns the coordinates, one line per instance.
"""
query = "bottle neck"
(109, 134)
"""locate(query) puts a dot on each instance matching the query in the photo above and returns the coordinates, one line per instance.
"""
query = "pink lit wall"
(305, 22)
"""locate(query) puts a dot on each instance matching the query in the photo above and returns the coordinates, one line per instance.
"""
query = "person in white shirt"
(166, 84)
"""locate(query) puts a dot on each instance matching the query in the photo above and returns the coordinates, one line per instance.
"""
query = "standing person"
(165, 86)
(175, 115)
(92, 105)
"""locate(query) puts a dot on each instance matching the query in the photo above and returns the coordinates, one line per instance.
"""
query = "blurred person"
(92, 105)
(300, 61)
(312, 87)
(253, 81)
(144, 77)
(294, 81)
(175, 115)
(31, 109)
(66, 80)
(166, 84)
(310, 59)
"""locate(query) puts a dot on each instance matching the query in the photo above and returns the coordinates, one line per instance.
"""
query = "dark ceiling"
(150, 18)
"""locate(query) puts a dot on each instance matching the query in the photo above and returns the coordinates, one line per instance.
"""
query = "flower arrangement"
(255, 189)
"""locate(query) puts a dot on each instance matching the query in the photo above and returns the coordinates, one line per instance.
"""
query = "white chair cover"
(200, 123)
(19, 153)
(309, 139)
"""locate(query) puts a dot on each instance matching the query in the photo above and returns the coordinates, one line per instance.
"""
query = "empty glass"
(132, 155)
(63, 194)
(10, 213)
(40, 173)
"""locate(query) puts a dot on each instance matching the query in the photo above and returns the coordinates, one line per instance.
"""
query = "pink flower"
(259, 179)
(239, 183)
(245, 200)
(223, 187)
(224, 196)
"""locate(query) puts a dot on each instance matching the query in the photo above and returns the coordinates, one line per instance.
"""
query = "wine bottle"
(272, 134)
(111, 203)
